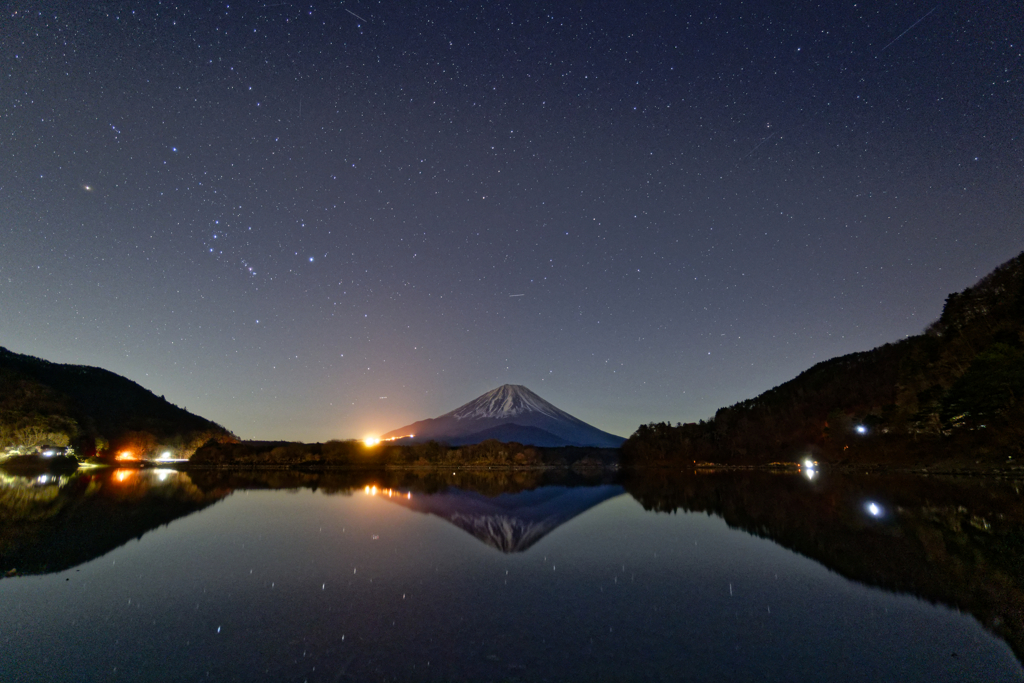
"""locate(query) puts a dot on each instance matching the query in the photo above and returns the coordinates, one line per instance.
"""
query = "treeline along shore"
(356, 454)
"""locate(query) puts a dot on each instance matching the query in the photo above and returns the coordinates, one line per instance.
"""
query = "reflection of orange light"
(125, 455)
(122, 475)
(390, 493)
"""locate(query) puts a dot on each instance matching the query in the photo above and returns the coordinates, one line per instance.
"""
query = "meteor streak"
(361, 19)
(908, 30)
(757, 145)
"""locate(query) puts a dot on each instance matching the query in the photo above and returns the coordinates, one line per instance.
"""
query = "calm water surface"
(168, 576)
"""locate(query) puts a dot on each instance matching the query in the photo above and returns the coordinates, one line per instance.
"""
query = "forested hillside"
(954, 392)
(91, 409)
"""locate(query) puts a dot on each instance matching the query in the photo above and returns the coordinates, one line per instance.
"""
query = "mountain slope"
(952, 394)
(91, 409)
(509, 433)
(509, 410)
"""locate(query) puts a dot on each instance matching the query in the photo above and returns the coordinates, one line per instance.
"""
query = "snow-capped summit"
(509, 413)
(508, 400)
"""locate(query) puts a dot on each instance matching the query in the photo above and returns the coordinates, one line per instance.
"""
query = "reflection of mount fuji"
(511, 522)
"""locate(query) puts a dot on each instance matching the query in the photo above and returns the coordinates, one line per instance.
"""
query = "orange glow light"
(396, 438)
(125, 455)
(373, 440)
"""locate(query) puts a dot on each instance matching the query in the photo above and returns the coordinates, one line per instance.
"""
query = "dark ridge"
(953, 395)
(83, 405)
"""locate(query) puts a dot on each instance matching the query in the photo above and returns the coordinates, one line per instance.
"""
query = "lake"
(160, 575)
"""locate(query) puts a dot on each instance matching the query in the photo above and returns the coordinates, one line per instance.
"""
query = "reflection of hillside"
(50, 523)
(510, 522)
(959, 542)
(31, 499)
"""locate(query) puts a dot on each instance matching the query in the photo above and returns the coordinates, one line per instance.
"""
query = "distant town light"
(166, 455)
(808, 469)
(371, 441)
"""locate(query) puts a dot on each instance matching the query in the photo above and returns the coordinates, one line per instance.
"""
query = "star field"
(276, 214)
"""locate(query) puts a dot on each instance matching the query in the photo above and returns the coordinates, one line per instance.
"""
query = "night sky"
(326, 220)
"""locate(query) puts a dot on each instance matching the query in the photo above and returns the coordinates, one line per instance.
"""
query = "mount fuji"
(509, 413)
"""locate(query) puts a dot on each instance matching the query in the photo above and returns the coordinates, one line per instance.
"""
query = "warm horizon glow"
(374, 440)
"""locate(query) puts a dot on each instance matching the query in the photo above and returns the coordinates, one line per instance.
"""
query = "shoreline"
(1014, 472)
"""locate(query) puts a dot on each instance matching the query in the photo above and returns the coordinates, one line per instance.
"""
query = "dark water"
(165, 576)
